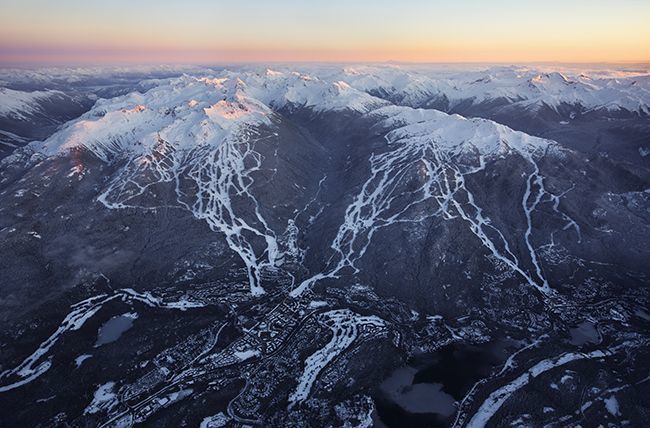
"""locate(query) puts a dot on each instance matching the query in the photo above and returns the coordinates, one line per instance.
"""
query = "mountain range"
(324, 245)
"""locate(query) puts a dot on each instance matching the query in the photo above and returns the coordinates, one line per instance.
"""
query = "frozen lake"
(114, 328)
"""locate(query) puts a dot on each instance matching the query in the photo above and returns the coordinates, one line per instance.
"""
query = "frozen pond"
(584, 333)
(114, 328)
(425, 392)
(418, 397)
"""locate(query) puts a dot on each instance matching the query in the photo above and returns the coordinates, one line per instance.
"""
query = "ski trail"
(498, 397)
(344, 325)
(34, 365)
(222, 175)
(441, 177)
(214, 184)
(510, 364)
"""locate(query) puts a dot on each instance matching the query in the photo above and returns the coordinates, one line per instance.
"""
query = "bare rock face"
(293, 249)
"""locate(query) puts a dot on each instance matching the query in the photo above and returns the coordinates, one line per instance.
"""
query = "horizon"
(315, 62)
(288, 31)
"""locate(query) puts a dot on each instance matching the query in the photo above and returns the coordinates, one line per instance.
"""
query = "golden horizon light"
(201, 31)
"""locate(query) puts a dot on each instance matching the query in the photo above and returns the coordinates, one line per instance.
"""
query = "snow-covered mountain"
(229, 246)
(25, 114)
(20, 104)
(531, 99)
(191, 113)
(195, 113)
(73, 76)
(591, 110)
(525, 86)
(186, 125)
(35, 102)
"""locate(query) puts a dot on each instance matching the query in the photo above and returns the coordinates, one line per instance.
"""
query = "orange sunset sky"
(202, 31)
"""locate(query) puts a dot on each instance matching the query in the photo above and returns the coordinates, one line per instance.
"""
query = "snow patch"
(216, 421)
(612, 406)
(246, 355)
(80, 359)
(104, 399)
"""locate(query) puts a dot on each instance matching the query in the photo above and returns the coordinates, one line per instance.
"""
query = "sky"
(215, 31)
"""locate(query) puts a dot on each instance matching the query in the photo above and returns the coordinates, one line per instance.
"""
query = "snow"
(248, 354)
(314, 304)
(498, 397)
(27, 377)
(528, 87)
(356, 412)
(611, 404)
(344, 325)
(20, 104)
(80, 359)
(201, 128)
(33, 366)
(216, 421)
(175, 396)
(566, 378)
(443, 149)
(13, 137)
(104, 399)
(77, 171)
(72, 75)
(199, 111)
(456, 134)
(292, 89)
(129, 294)
(133, 124)
(204, 131)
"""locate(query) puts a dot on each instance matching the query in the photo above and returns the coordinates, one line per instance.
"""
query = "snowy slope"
(457, 134)
(204, 130)
(187, 111)
(191, 112)
(527, 86)
(75, 75)
(20, 104)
